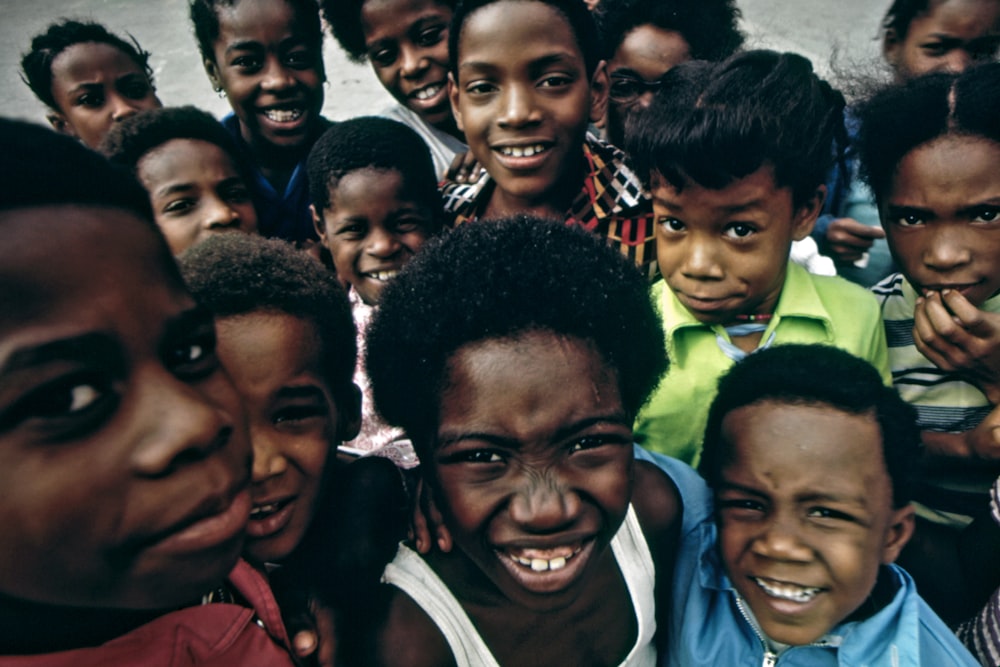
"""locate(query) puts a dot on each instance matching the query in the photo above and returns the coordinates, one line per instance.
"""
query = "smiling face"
(533, 463)
(725, 252)
(275, 361)
(196, 191)
(805, 514)
(96, 85)
(942, 216)
(272, 73)
(949, 36)
(123, 453)
(372, 229)
(524, 100)
(407, 43)
(645, 54)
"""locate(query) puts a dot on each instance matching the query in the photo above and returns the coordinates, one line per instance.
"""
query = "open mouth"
(521, 151)
(544, 560)
(283, 115)
(787, 591)
(261, 512)
(427, 92)
(382, 276)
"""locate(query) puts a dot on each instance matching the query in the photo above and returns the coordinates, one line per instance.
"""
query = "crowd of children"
(426, 388)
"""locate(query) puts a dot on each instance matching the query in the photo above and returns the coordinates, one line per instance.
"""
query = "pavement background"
(815, 28)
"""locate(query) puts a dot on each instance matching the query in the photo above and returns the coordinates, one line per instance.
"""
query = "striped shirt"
(981, 634)
(612, 203)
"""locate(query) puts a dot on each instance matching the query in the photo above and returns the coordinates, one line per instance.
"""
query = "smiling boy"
(811, 484)
(526, 80)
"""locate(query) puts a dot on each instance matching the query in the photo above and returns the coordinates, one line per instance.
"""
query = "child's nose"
(183, 426)
(220, 214)
(517, 108)
(122, 108)
(412, 62)
(381, 243)
(276, 76)
(700, 261)
(544, 505)
(957, 61)
(780, 540)
(268, 459)
(947, 249)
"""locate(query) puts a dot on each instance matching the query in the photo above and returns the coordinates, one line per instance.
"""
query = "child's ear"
(349, 414)
(892, 45)
(805, 216)
(899, 533)
(453, 97)
(599, 87)
(60, 124)
(318, 224)
(212, 70)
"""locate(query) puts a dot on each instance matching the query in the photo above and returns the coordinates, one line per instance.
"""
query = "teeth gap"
(544, 564)
(522, 151)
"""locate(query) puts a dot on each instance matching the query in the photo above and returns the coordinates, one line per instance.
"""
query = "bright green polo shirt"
(811, 309)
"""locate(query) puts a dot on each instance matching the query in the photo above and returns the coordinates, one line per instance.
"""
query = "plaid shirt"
(612, 203)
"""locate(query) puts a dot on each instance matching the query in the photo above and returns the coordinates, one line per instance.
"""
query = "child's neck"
(33, 628)
(554, 203)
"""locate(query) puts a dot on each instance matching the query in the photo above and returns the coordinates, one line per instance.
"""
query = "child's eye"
(352, 230)
(383, 57)
(935, 49)
(194, 357)
(298, 413)
(247, 63)
(80, 396)
(408, 225)
(739, 230)
(136, 90)
(479, 456)
(746, 504)
(179, 206)
(480, 88)
(909, 220)
(431, 36)
(987, 215)
(92, 100)
(302, 59)
(236, 193)
(671, 224)
(827, 513)
(555, 81)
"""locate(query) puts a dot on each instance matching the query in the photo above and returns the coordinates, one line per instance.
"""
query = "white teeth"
(384, 275)
(262, 511)
(521, 151)
(544, 564)
(428, 92)
(539, 565)
(788, 591)
(283, 115)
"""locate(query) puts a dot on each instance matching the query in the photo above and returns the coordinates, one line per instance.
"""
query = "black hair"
(817, 375)
(236, 274)
(714, 123)
(44, 168)
(710, 27)
(377, 143)
(205, 19)
(36, 64)
(580, 20)
(900, 15)
(344, 19)
(903, 116)
(500, 279)
(128, 141)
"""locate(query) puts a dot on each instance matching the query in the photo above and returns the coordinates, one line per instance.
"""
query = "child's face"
(942, 216)
(724, 252)
(124, 457)
(949, 36)
(96, 85)
(533, 463)
(271, 72)
(407, 42)
(805, 515)
(196, 191)
(372, 229)
(275, 361)
(524, 100)
(645, 54)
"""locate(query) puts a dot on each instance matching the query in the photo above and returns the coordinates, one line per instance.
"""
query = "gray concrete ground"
(814, 28)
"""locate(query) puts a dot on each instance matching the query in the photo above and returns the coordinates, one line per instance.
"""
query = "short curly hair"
(710, 27)
(788, 374)
(36, 64)
(501, 279)
(344, 19)
(235, 274)
(948, 103)
(371, 142)
(205, 21)
(128, 141)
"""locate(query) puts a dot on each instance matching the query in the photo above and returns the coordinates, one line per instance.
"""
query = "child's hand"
(309, 622)
(957, 336)
(847, 239)
(984, 440)
(464, 168)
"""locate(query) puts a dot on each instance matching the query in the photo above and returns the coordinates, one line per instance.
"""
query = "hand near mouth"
(959, 337)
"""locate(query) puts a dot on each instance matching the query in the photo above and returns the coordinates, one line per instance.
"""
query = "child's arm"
(982, 442)
(957, 336)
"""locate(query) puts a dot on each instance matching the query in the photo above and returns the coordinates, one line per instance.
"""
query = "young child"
(266, 57)
(935, 181)
(520, 403)
(735, 154)
(286, 339)
(126, 463)
(918, 37)
(88, 77)
(811, 483)
(406, 42)
(526, 80)
(192, 170)
(645, 38)
(375, 202)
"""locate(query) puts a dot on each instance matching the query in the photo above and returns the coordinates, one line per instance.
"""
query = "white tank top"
(411, 574)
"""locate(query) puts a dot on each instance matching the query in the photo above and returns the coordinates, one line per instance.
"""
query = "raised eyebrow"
(89, 346)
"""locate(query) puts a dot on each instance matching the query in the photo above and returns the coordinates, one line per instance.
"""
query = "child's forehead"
(548, 23)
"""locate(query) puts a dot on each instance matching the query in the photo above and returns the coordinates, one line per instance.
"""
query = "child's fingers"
(933, 331)
(970, 317)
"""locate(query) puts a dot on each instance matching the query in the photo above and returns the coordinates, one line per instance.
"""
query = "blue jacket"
(707, 627)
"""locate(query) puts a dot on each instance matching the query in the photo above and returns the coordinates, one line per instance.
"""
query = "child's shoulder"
(408, 637)
(657, 504)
